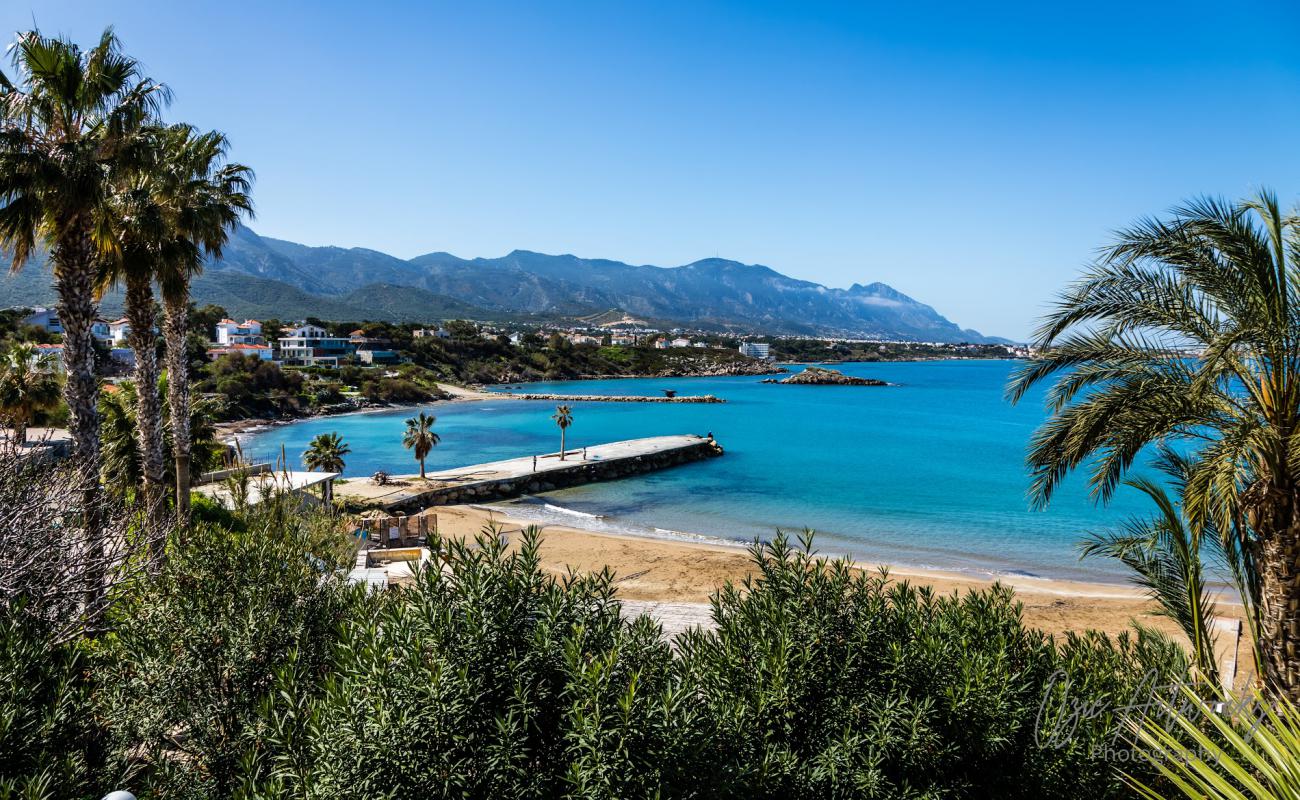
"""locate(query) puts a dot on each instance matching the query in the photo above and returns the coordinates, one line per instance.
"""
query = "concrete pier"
(500, 480)
(620, 398)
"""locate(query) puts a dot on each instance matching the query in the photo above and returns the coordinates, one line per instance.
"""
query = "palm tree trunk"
(422, 469)
(562, 432)
(74, 281)
(176, 328)
(1278, 560)
(140, 316)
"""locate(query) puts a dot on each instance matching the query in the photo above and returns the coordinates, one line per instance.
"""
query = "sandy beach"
(669, 571)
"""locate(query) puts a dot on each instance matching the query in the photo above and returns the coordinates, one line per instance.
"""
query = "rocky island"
(819, 376)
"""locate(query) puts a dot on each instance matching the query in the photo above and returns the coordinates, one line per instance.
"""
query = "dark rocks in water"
(816, 376)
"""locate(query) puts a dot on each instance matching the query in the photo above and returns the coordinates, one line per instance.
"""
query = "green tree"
(69, 122)
(563, 418)
(1221, 280)
(205, 197)
(26, 388)
(141, 225)
(325, 453)
(1167, 555)
(420, 438)
(119, 410)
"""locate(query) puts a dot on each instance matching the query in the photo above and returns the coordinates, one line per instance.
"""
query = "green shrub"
(195, 651)
(487, 678)
(49, 736)
(245, 668)
(825, 682)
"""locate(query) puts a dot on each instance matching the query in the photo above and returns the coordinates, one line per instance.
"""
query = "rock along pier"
(500, 480)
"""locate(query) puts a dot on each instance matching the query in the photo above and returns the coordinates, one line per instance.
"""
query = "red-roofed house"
(247, 332)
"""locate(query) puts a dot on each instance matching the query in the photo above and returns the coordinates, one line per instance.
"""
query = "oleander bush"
(246, 667)
(822, 681)
(193, 651)
(487, 678)
(49, 737)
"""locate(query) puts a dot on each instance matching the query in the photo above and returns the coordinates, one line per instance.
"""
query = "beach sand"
(664, 570)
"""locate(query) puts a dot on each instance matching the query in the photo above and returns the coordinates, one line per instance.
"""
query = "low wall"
(581, 472)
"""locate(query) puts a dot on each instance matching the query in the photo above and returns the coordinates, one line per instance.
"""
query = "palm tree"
(1222, 280)
(142, 224)
(27, 386)
(1167, 555)
(119, 411)
(564, 418)
(119, 421)
(325, 453)
(205, 197)
(69, 121)
(420, 437)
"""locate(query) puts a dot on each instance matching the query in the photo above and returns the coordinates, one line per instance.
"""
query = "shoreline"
(231, 430)
(595, 525)
(671, 570)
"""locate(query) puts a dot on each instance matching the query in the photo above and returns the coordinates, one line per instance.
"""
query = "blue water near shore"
(927, 473)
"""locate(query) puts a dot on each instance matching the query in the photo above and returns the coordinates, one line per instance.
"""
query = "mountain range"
(264, 277)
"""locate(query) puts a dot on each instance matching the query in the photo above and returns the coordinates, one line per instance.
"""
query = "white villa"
(755, 349)
(46, 318)
(312, 346)
(247, 332)
(681, 342)
(440, 333)
(119, 330)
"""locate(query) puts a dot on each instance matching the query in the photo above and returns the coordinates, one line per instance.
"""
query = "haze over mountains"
(266, 277)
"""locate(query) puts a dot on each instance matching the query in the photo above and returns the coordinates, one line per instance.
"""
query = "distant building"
(440, 333)
(755, 349)
(99, 330)
(123, 355)
(582, 338)
(679, 342)
(52, 356)
(622, 340)
(46, 318)
(262, 351)
(368, 356)
(312, 346)
(247, 332)
(119, 330)
(660, 344)
(700, 345)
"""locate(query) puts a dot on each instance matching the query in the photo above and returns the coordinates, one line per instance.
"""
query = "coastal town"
(319, 343)
(688, 402)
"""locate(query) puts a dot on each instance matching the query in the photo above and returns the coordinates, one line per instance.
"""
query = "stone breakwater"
(622, 398)
(503, 480)
(816, 376)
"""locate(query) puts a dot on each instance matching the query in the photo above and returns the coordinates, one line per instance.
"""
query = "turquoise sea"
(927, 473)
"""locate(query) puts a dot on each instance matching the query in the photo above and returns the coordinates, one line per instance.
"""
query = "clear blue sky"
(973, 158)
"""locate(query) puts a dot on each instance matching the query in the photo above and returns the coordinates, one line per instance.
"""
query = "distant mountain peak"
(711, 293)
